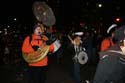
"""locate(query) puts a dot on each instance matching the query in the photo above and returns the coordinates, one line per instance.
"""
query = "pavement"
(57, 72)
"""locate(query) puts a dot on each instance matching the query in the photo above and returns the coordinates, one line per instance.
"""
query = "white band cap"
(78, 33)
(111, 27)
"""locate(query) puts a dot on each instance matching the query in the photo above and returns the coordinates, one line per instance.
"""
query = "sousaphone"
(43, 14)
(37, 55)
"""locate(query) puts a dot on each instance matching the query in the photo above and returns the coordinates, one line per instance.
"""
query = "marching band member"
(36, 47)
(31, 48)
(74, 50)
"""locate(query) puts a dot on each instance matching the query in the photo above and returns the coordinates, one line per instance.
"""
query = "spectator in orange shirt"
(31, 46)
(108, 41)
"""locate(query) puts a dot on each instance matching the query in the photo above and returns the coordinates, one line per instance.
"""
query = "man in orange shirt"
(108, 41)
(31, 46)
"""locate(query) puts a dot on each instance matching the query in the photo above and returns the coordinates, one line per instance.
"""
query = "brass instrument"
(41, 52)
(37, 55)
(43, 14)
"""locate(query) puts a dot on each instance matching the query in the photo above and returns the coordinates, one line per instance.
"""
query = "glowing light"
(99, 5)
(8, 26)
(117, 19)
(15, 19)
(0, 31)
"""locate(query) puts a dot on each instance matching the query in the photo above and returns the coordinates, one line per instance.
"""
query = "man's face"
(38, 31)
(77, 40)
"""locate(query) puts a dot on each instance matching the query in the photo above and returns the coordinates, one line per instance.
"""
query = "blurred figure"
(108, 41)
(88, 43)
(111, 67)
(2, 47)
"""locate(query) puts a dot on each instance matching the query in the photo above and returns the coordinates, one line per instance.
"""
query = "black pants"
(75, 72)
(37, 74)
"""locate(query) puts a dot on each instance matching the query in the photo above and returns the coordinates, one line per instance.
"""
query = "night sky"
(66, 11)
(15, 9)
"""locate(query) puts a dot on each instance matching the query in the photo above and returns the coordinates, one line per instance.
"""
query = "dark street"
(57, 72)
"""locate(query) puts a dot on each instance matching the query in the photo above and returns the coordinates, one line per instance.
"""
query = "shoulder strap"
(30, 38)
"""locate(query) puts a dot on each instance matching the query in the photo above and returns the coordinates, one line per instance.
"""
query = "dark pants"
(75, 72)
(37, 74)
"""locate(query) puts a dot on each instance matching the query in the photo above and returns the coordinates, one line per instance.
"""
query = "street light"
(15, 19)
(99, 5)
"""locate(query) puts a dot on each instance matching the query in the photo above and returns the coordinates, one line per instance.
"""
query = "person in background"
(31, 45)
(108, 41)
(111, 67)
(2, 49)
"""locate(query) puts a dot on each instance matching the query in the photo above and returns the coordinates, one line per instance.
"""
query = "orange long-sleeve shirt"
(106, 43)
(36, 41)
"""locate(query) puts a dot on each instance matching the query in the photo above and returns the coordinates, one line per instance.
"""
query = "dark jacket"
(111, 67)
